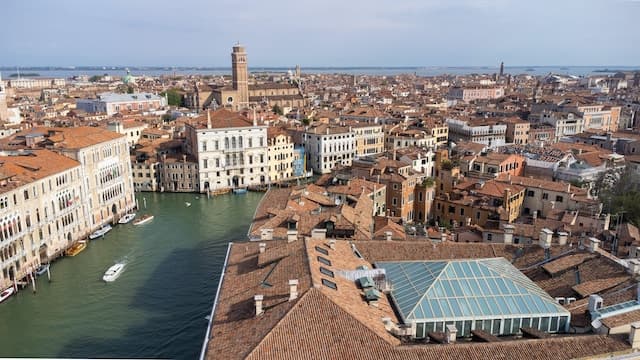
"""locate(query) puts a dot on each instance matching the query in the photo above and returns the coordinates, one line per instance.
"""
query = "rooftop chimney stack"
(633, 267)
(263, 247)
(332, 244)
(258, 300)
(388, 235)
(594, 244)
(292, 235)
(293, 289)
(208, 119)
(634, 336)
(450, 334)
(562, 238)
(545, 238)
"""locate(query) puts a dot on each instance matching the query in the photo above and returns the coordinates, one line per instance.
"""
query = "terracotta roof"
(31, 166)
(221, 119)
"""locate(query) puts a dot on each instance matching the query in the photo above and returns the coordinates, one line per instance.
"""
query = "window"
(324, 261)
(559, 198)
(326, 271)
(531, 193)
(489, 237)
(322, 251)
(545, 196)
(329, 284)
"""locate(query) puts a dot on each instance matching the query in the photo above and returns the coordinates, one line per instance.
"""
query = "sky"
(320, 33)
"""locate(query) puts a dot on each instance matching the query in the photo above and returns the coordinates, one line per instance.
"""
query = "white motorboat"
(5, 294)
(42, 269)
(100, 232)
(127, 218)
(113, 272)
(187, 204)
(143, 220)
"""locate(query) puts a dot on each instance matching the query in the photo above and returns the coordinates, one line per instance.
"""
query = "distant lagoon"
(67, 72)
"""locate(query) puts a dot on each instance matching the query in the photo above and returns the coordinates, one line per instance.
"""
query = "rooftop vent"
(366, 282)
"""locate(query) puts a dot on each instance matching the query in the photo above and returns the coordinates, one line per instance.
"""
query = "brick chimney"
(293, 289)
(258, 301)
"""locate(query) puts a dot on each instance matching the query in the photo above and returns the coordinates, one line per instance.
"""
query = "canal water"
(155, 309)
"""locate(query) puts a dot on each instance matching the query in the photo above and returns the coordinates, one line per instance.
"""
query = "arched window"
(226, 143)
(233, 142)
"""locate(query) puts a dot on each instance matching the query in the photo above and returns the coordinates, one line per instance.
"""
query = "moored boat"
(42, 269)
(113, 272)
(6, 293)
(143, 219)
(76, 248)
(100, 232)
(127, 218)
(240, 191)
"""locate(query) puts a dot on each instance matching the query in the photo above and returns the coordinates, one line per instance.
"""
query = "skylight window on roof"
(324, 261)
(326, 271)
(329, 284)
(322, 251)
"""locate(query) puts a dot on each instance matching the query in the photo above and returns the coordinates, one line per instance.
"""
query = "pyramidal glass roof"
(470, 288)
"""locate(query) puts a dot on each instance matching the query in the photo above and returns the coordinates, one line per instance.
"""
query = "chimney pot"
(634, 336)
(263, 247)
(332, 244)
(451, 333)
(388, 235)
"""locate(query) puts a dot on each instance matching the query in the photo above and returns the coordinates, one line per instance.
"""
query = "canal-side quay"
(157, 308)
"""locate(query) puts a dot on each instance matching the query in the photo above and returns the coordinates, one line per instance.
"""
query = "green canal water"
(155, 309)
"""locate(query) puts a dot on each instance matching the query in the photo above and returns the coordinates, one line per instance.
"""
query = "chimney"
(545, 238)
(535, 215)
(443, 236)
(388, 235)
(293, 289)
(562, 238)
(258, 300)
(450, 334)
(332, 244)
(292, 235)
(508, 233)
(595, 302)
(263, 247)
(593, 244)
(633, 267)
(208, 119)
(634, 336)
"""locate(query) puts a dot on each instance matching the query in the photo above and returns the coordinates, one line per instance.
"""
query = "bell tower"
(240, 76)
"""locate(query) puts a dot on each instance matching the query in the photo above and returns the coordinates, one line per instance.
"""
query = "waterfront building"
(113, 103)
(490, 132)
(42, 210)
(178, 173)
(230, 149)
(469, 94)
(105, 166)
(280, 154)
(350, 300)
(35, 83)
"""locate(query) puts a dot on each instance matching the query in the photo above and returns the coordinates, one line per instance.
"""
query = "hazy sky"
(320, 32)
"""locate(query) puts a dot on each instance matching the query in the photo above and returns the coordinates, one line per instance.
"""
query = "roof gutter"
(207, 336)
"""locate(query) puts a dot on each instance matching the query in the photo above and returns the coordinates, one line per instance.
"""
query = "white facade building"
(112, 103)
(480, 131)
(230, 149)
(328, 147)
